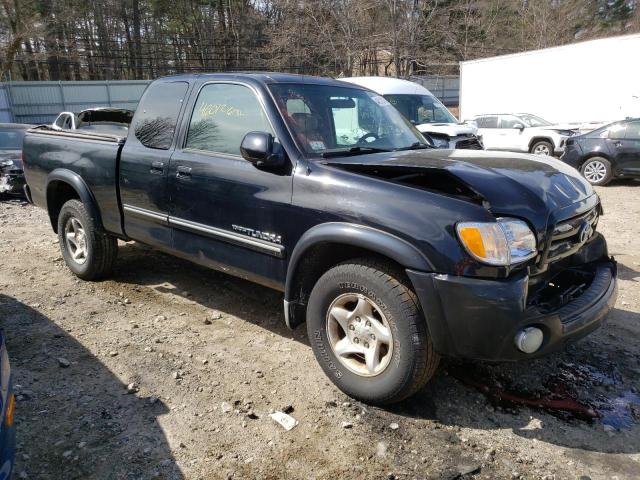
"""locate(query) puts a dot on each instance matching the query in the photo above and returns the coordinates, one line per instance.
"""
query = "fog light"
(529, 339)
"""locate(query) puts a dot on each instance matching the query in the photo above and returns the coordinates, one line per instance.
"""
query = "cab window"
(155, 120)
(223, 114)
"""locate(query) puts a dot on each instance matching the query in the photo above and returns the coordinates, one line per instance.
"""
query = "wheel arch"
(326, 245)
(541, 138)
(64, 185)
(591, 155)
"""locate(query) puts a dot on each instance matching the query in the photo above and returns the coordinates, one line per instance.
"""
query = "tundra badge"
(269, 237)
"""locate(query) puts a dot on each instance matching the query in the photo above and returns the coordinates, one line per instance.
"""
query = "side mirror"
(258, 148)
(519, 126)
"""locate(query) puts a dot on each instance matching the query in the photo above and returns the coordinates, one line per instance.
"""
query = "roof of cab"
(262, 77)
(389, 85)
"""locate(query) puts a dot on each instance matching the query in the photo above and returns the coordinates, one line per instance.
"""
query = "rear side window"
(617, 131)
(487, 122)
(633, 131)
(223, 114)
(155, 120)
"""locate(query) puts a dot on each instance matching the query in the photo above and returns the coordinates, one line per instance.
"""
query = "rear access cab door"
(144, 163)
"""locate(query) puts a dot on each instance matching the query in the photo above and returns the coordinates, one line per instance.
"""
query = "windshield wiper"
(354, 151)
(417, 146)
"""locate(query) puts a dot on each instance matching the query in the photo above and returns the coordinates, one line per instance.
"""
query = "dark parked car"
(606, 153)
(391, 251)
(11, 173)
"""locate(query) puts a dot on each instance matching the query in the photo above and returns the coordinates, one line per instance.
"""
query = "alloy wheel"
(541, 149)
(75, 240)
(359, 334)
(595, 171)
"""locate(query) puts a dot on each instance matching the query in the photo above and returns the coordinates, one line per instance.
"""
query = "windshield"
(421, 109)
(11, 138)
(534, 121)
(329, 119)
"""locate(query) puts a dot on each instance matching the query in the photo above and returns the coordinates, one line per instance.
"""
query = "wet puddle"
(579, 392)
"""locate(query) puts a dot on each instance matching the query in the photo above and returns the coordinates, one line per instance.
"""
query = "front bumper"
(479, 318)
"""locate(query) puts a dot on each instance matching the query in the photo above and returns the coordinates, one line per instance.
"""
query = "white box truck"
(597, 81)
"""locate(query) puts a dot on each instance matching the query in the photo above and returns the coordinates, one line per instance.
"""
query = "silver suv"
(522, 132)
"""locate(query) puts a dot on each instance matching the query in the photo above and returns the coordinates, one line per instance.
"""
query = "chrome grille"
(569, 235)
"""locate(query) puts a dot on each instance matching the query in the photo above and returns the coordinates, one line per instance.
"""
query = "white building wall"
(598, 80)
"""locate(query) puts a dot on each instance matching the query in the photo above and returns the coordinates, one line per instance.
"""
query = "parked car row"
(608, 152)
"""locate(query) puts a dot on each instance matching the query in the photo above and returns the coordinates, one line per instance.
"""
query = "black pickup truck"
(392, 252)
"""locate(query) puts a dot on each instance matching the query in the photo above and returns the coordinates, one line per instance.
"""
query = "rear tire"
(543, 148)
(89, 254)
(597, 171)
(368, 333)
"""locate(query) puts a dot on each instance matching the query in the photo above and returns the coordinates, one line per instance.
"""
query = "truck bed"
(93, 157)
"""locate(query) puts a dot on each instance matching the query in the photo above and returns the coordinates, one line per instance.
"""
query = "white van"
(424, 110)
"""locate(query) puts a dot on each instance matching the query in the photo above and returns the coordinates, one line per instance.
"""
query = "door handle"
(157, 167)
(183, 172)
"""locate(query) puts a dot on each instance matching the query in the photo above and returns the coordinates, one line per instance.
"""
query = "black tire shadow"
(77, 422)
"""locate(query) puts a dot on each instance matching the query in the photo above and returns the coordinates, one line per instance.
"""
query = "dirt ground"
(170, 371)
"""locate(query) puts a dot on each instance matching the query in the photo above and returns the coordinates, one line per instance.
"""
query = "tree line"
(143, 39)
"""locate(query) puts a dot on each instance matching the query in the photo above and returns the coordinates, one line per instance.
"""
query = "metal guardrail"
(41, 102)
(446, 88)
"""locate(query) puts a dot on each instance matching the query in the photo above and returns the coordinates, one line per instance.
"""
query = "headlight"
(6, 163)
(507, 241)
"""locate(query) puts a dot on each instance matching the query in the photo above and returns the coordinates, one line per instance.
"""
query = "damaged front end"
(530, 314)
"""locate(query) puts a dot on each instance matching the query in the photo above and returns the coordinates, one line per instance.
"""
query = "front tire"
(368, 333)
(543, 148)
(89, 254)
(597, 171)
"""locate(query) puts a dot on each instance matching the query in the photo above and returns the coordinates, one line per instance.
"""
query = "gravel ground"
(170, 371)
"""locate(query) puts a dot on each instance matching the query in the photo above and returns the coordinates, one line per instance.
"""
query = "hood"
(451, 129)
(559, 126)
(522, 185)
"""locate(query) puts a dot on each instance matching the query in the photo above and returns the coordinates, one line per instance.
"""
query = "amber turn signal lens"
(472, 238)
(8, 416)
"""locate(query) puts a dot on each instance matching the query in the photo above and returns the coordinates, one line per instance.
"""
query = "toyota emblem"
(585, 232)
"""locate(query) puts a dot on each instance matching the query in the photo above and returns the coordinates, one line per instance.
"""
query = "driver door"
(225, 212)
